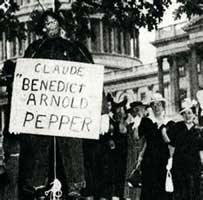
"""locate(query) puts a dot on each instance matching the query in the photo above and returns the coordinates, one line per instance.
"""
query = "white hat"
(187, 104)
(157, 97)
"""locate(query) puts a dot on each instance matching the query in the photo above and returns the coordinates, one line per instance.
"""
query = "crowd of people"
(99, 168)
(168, 145)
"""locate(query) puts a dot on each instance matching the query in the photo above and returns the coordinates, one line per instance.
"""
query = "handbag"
(169, 182)
(135, 178)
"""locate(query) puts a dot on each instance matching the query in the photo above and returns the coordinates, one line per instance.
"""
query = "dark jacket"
(186, 161)
(60, 49)
(154, 161)
(187, 145)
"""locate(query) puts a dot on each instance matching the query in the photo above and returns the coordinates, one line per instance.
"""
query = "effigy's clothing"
(153, 165)
(58, 48)
(186, 161)
(36, 166)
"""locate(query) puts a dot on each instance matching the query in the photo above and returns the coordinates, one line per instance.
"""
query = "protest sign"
(58, 98)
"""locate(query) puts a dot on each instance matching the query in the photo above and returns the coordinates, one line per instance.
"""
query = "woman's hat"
(187, 104)
(135, 104)
(157, 97)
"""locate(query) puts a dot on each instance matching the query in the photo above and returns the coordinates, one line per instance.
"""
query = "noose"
(55, 192)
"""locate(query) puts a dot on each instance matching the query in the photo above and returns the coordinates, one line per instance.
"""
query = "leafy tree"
(9, 22)
(189, 7)
(128, 14)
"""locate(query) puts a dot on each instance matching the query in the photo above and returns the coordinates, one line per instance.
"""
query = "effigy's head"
(46, 23)
(50, 24)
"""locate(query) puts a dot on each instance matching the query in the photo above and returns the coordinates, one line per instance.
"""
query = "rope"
(55, 192)
(54, 157)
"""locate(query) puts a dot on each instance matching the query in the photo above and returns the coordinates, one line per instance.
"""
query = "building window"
(95, 44)
(126, 41)
(1, 49)
(183, 94)
(2, 119)
(13, 51)
(142, 96)
(182, 71)
(119, 41)
(117, 33)
(198, 68)
(137, 50)
(135, 38)
(115, 37)
(20, 47)
(107, 38)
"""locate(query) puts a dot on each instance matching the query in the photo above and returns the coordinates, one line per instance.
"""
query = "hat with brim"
(135, 104)
(157, 97)
(187, 104)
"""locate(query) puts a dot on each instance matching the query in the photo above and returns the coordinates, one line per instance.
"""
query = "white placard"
(58, 98)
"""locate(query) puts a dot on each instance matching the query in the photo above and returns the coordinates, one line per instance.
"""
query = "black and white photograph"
(101, 99)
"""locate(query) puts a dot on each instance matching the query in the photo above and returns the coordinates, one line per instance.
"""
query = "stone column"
(137, 45)
(1, 48)
(101, 36)
(174, 83)
(193, 74)
(201, 71)
(4, 49)
(122, 42)
(160, 75)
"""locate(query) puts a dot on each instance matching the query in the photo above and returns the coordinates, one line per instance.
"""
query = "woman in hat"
(186, 160)
(156, 153)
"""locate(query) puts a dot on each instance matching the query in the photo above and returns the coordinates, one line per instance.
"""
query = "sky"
(147, 50)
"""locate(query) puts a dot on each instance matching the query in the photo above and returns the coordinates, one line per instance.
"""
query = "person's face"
(157, 108)
(141, 111)
(188, 115)
(134, 111)
(51, 27)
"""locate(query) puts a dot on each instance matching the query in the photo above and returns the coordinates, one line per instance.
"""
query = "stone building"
(181, 46)
(177, 73)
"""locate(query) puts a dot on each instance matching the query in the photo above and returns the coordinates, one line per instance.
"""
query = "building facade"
(181, 45)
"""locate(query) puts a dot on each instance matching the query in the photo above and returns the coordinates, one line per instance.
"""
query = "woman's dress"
(154, 161)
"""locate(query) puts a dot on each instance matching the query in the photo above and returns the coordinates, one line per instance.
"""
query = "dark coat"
(59, 49)
(186, 161)
(154, 161)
